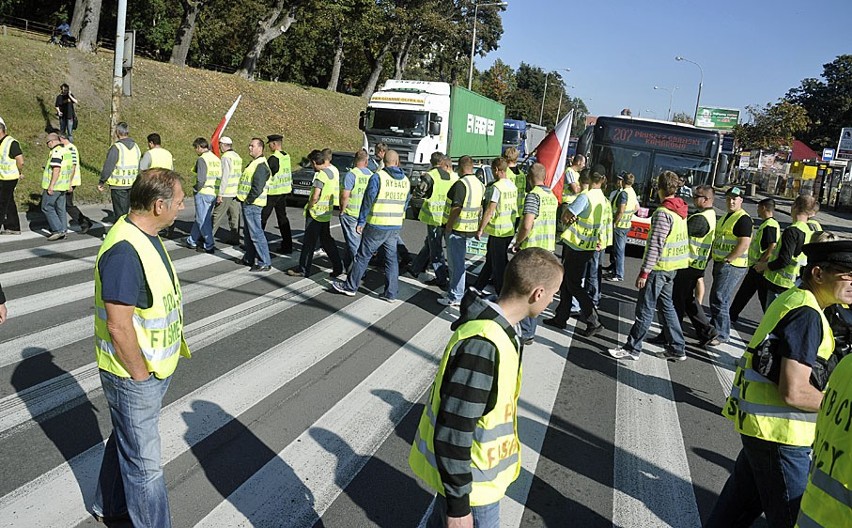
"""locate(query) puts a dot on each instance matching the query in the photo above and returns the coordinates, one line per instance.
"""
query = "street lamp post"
(559, 108)
(671, 96)
(700, 84)
(473, 40)
(544, 95)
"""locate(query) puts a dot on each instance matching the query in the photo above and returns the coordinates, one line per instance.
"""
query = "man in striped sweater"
(467, 447)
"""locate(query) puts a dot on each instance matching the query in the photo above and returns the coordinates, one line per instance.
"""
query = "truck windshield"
(400, 122)
(511, 137)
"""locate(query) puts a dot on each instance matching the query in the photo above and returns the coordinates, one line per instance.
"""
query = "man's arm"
(661, 224)
(120, 327)
(524, 229)
(145, 161)
(486, 217)
(200, 173)
(346, 190)
(455, 212)
(370, 195)
(258, 182)
(109, 166)
(795, 386)
(739, 249)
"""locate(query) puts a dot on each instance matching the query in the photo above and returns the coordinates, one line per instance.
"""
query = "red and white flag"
(214, 141)
(552, 152)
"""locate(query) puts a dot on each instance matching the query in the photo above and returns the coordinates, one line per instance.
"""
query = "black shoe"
(285, 251)
(529, 340)
(85, 225)
(658, 339)
(243, 262)
(202, 249)
(260, 269)
(592, 330)
(704, 341)
(554, 323)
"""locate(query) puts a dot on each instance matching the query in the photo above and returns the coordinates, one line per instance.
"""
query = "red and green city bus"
(647, 147)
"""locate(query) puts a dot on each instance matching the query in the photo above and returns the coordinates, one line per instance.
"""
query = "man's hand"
(3, 313)
(460, 522)
(50, 190)
(359, 229)
(761, 266)
(640, 282)
(100, 188)
(479, 234)
(218, 200)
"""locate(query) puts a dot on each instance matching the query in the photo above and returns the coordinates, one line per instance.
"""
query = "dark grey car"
(303, 178)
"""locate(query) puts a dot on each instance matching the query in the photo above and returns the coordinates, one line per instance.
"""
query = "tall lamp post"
(473, 40)
(544, 95)
(671, 96)
(700, 83)
(559, 108)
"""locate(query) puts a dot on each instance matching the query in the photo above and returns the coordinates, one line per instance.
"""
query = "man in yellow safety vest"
(55, 181)
(226, 198)
(280, 186)
(11, 171)
(208, 173)
(120, 170)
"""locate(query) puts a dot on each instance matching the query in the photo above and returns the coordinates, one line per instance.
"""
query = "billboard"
(844, 146)
(717, 118)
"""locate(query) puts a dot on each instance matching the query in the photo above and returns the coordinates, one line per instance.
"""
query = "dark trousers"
(8, 210)
(496, 259)
(73, 211)
(577, 265)
(120, 202)
(752, 283)
(278, 203)
(685, 303)
(318, 232)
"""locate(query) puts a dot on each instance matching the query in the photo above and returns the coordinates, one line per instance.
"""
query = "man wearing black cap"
(280, 185)
(730, 263)
(777, 393)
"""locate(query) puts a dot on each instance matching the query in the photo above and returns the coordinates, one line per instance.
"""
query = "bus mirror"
(721, 171)
(362, 121)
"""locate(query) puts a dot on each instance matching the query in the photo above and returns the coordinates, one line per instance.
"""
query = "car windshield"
(400, 122)
(343, 162)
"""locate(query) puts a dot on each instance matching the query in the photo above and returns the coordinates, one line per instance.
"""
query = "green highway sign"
(717, 118)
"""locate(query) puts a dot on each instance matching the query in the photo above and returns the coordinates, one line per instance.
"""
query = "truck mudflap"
(638, 234)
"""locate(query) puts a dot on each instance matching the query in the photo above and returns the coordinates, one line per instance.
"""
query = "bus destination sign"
(649, 139)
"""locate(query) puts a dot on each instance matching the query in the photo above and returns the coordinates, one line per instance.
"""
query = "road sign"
(716, 118)
(827, 154)
(844, 146)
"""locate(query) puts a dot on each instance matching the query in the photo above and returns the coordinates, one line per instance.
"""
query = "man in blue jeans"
(433, 188)
(136, 289)
(351, 195)
(624, 206)
(55, 181)
(775, 398)
(208, 173)
(252, 192)
(666, 252)
(730, 263)
(379, 223)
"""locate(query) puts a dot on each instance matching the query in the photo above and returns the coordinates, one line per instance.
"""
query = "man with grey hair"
(136, 290)
(11, 170)
(120, 170)
(226, 200)
(55, 181)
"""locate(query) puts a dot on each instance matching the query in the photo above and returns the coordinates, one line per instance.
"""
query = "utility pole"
(117, 74)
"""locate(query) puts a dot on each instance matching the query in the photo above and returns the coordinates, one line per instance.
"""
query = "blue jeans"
(53, 207)
(456, 250)
(131, 478)
(726, 280)
(373, 238)
(351, 238)
(203, 225)
(768, 478)
(658, 289)
(487, 516)
(528, 326)
(593, 278)
(66, 126)
(432, 254)
(257, 248)
(619, 243)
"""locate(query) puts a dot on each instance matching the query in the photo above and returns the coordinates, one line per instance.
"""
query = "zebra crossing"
(298, 406)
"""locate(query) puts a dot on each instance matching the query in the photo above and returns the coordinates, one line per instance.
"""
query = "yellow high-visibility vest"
(630, 209)
(8, 165)
(520, 179)
(468, 220)
(389, 207)
(244, 187)
(159, 329)
(754, 251)
(330, 193)
(161, 159)
(568, 195)
(66, 170)
(502, 223)
(585, 233)
(214, 174)
(786, 276)
(74, 158)
(699, 247)
(233, 182)
(282, 181)
(434, 210)
(126, 168)
(725, 241)
(543, 232)
(495, 453)
(356, 195)
(675, 253)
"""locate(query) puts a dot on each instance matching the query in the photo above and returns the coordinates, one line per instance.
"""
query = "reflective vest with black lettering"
(356, 195)
(502, 223)
(330, 192)
(520, 180)
(725, 241)
(389, 207)
(828, 498)
(126, 168)
(495, 453)
(543, 232)
(66, 170)
(630, 209)
(244, 187)
(699, 247)
(675, 254)
(282, 181)
(233, 182)
(468, 220)
(74, 158)
(568, 195)
(754, 249)
(159, 329)
(434, 210)
(755, 404)
(214, 174)
(786, 277)
(585, 233)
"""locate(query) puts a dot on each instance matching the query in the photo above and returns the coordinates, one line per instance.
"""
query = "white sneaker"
(339, 288)
(621, 353)
(447, 302)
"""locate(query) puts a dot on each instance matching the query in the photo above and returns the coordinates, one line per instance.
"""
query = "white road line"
(652, 484)
(299, 485)
(55, 498)
(52, 248)
(25, 235)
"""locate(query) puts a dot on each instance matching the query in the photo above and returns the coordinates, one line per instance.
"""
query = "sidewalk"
(831, 220)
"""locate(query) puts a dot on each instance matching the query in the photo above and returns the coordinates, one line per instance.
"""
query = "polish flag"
(552, 152)
(214, 141)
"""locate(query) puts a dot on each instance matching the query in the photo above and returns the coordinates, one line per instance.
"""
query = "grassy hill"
(177, 102)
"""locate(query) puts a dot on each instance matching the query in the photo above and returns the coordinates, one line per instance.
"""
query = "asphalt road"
(299, 405)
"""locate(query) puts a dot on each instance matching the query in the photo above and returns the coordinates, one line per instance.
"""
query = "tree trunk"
(336, 65)
(77, 18)
(268, 29)
(377, 63)
(183, 39)
(400, 58)
(91, 19)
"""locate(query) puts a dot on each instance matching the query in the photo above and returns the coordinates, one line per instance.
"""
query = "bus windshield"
(511, 137)
(400, 122)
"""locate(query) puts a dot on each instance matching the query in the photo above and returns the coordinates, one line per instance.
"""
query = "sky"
(751, 51)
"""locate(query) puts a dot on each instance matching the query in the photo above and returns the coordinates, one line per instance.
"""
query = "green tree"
(498, 82)
(682, 117)
(827, 101)
(773, 126)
